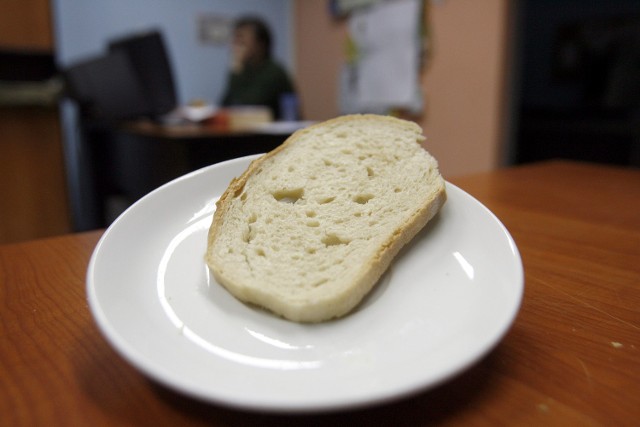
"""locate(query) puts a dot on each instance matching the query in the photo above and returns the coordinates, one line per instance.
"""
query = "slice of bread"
(310, 227)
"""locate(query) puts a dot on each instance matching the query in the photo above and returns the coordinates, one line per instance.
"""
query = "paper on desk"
(387, 39)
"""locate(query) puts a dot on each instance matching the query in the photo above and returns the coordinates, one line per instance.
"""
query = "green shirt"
(262, 84)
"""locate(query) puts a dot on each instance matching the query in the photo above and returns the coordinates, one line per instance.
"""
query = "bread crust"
(368, 273)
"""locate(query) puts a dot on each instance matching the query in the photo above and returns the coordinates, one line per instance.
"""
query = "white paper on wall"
(387, 39)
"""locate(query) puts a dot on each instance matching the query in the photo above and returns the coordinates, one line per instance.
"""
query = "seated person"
(255, 78)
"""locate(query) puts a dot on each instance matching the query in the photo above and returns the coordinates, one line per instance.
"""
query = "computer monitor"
(108, 88)
(148, 55)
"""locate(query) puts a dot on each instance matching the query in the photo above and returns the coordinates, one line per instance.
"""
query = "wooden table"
(571, 358)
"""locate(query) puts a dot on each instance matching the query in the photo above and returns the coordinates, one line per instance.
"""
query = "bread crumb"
(616, 344)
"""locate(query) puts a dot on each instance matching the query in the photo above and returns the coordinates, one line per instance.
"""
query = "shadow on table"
(434, 406)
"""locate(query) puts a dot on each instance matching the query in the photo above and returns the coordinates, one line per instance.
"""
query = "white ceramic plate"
(448, 298)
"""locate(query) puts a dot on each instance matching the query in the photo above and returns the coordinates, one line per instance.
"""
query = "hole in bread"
(362, 198)
(260, 252)
(311, 251)
(291, 169)
(311, 214)
(346, 151)
(288, 195)
(325, 200)
(313, 223)
(333, 240)
(243, 197)
(370, 172)
(397, 190)
(252, 218)
(327, 162)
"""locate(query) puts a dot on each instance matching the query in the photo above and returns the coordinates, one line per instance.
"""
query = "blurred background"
(493, 83)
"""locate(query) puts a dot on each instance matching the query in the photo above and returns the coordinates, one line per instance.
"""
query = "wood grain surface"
(32, 175)
(571, 358)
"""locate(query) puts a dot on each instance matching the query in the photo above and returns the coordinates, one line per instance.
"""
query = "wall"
(464, 85)
(83, 27)
(319, 54)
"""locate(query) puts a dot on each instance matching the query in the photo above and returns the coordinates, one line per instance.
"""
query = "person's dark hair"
(260, 29)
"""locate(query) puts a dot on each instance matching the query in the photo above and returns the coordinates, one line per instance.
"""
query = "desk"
(571, 358)
(197, 131)
(129, 161)
(172, 151)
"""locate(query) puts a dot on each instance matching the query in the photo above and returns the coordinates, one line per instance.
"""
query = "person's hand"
(238, 57)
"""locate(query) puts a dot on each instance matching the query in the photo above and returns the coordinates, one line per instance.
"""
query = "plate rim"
(158, 373)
